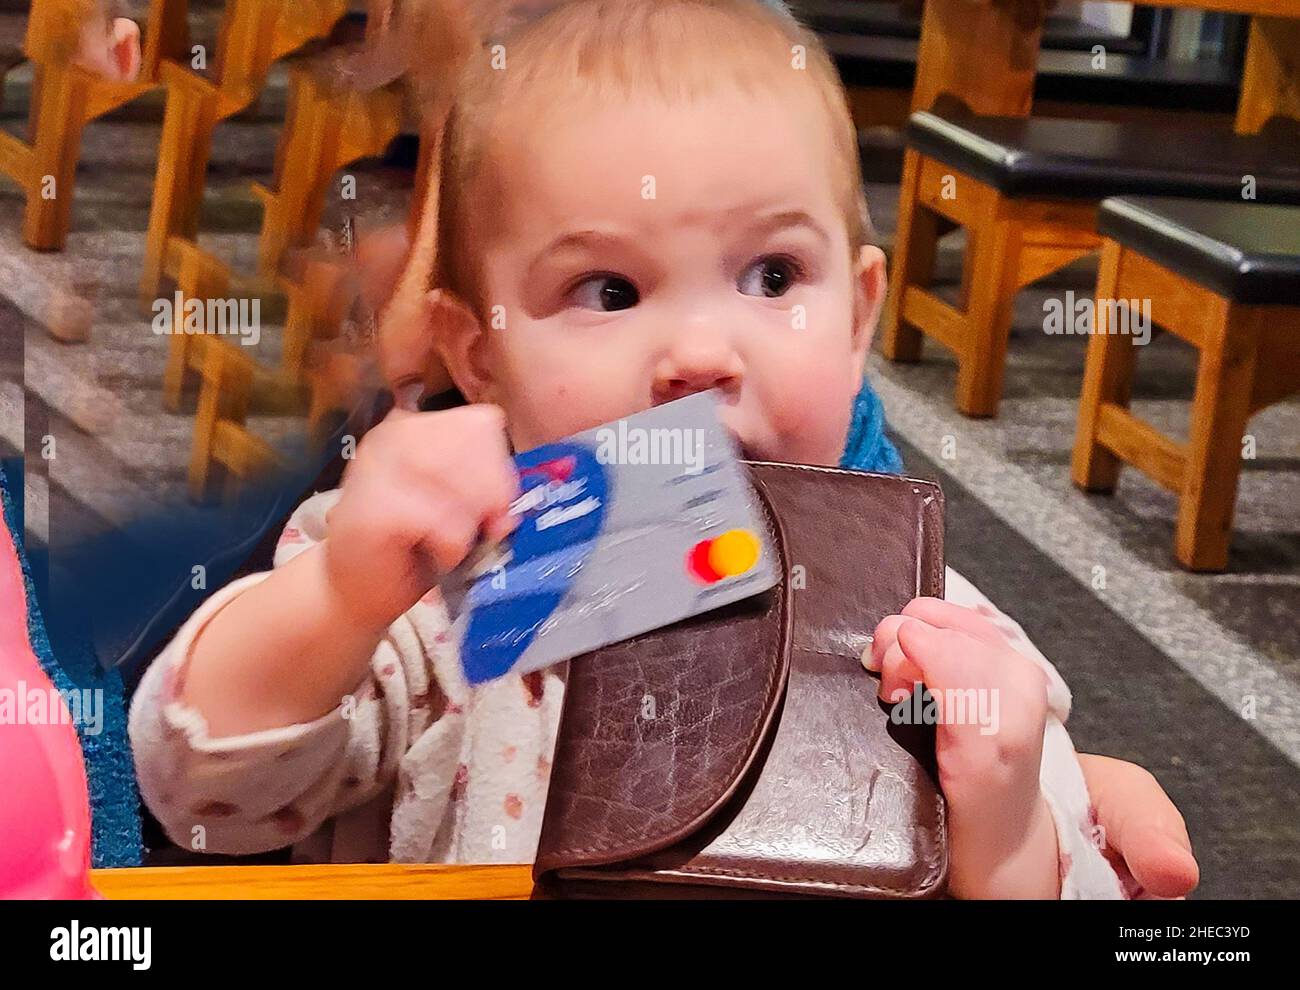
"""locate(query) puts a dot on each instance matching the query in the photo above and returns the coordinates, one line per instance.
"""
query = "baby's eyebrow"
(576, 240)
(582, 239)
(785, 220)
(761, 226)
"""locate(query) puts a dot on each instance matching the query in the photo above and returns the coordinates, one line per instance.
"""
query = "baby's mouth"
(750, 451)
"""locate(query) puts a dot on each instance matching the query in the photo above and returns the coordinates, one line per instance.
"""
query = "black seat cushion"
(888, 18)
(889, 61)
(1058, 158)
(1248, 252)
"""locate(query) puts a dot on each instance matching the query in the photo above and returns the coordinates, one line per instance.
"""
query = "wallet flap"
(775, 767)
(862, 546)
(658, 742)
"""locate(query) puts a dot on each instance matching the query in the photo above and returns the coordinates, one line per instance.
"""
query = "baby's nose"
(699, 371)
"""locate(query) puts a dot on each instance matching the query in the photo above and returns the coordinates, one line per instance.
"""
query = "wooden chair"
(329, 125)
(1026, 189)
(64, 99)
(1225, 277)
(253, 35)
(331, 122)
(876, 53)
(225, 453)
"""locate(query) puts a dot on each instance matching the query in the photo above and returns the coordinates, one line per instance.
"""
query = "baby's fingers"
(991, 712)
(941, 615)
(1141, 826)
(884, 636)
(946, 615)
(899, 674)
(907, 650)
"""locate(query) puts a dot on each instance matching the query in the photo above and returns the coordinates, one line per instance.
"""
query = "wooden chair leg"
(195, 281)
(306, 149)
(166, 35)
(183, 152)
(205, 475)
(1225, 380)
(995, 246)
(1268, 80)
(915, 246)
(59, 110)
(224, 397)
(1107, 381)
(299, 326)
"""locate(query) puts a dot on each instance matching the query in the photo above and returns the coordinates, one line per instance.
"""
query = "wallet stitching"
(783, 646)
(930, 877)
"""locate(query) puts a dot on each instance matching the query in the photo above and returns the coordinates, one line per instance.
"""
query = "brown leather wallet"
(744, 752)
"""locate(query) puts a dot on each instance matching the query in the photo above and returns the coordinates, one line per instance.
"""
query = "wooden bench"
(896, 19)
(1225, 277)
(879, 73)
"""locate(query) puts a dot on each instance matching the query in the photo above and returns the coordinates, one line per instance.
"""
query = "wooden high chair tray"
(329, 882)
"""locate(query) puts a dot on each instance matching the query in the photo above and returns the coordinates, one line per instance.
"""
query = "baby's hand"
(1003, 841)
(422, 490)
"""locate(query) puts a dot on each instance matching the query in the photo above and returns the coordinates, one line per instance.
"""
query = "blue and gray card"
(623, 528)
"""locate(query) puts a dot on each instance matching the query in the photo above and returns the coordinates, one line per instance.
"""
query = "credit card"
(624, 528)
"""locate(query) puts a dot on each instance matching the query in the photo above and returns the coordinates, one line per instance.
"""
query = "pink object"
(45, 813)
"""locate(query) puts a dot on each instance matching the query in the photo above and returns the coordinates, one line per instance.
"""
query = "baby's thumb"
(1161, 860)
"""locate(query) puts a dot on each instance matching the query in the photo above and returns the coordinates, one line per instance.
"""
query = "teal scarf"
(868, 449)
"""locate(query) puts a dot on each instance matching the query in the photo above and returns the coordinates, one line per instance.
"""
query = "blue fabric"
(110, 773)
(868, 448)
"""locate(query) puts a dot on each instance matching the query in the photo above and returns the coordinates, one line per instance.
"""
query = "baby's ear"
(110, 50)
(458, 337)
(125, 46)
(869, 285)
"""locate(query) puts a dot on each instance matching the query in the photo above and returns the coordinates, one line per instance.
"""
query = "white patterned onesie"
(417, 766)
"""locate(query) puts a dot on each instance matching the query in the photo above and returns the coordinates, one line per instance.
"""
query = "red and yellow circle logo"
(733, 552)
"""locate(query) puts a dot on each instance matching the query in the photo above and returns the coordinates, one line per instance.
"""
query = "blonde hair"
(680, 50)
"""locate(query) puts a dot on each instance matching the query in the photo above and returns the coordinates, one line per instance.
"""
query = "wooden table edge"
(325, 882)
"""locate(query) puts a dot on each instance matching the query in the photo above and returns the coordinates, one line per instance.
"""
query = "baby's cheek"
(811, 402)
(555, 402)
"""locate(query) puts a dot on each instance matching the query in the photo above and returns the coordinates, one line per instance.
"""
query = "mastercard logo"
(732, 553)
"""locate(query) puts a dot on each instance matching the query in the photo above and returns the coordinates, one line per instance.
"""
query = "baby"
(645, 199)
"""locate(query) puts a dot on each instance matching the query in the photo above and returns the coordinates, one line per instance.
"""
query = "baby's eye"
(608, 293)
(771, 276)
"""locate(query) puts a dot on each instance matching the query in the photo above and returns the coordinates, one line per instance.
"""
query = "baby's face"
(641, 253)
